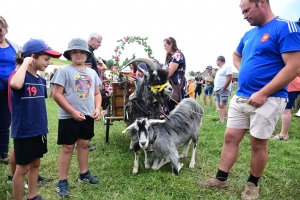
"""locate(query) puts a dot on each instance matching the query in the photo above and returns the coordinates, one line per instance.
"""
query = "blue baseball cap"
(37, 45)
(142, 66)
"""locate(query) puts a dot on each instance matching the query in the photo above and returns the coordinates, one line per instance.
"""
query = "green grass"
(113, 162)
(57, 61)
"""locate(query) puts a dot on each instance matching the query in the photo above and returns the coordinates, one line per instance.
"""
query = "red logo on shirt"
(265, 37)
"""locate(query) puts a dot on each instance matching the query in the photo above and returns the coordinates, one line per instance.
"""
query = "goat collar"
(158, 88)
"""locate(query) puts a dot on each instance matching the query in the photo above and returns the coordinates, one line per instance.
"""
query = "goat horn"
(151, 63)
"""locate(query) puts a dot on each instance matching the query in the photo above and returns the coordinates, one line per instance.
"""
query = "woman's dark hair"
(134, 67)
(19, 58)
(169, 41)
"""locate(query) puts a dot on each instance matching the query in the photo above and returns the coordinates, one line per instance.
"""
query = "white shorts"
(260, 121)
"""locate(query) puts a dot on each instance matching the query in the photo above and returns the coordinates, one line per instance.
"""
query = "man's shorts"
(69, 130)
(198, 90)
(208, 91)
(292, 98)
(28, 149)
(260, 121)
(222, 96)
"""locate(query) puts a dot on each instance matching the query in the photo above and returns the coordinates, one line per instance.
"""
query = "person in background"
(175, 62)
(94, 42)
(133, 69)
(142, 67)
(222, 86)
(215, 70)
(28, 93)
(76, 91)
(51, 85)
(191, 88)
(8, 50)
(101, 64)
(268, 59)
(209, 80)
(199, 83)
(125, 73)
(286, 116)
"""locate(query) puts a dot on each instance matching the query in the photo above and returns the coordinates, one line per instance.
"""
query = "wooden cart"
(116, 109)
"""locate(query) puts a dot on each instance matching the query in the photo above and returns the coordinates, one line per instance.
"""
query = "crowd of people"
(261, 98)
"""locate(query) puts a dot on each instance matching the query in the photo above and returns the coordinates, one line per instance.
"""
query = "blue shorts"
(208, 91)
(292, 98)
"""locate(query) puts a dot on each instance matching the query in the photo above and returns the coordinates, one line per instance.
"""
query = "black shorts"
(198, 90)
(69, 130)
(28, 149)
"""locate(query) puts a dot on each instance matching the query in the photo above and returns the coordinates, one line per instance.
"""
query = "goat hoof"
(135, 171)
(192, 165)
(147, 166)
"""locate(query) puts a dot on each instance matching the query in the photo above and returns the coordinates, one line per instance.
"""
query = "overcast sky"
(203, 29)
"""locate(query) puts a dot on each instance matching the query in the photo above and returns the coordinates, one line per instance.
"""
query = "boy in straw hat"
(76, 91)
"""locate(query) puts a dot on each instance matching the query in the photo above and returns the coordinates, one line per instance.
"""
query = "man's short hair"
(94, 35)
(221, 58)
(198, 72)
(209, 67)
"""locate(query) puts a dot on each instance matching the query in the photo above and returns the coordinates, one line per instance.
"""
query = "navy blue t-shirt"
(29, 115)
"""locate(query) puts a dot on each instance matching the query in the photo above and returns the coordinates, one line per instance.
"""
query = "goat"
(180, 128)
(147, 101)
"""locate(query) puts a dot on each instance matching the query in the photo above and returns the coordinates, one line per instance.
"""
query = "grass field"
(113, 162)
(56, 61)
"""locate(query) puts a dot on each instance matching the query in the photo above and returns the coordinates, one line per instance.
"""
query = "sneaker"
(298, 113)
(213, 182)
(62, 188)
(43, 180)
(92, 148)
(9, 179)
(38, 197)
(87, 178)
(251, 192)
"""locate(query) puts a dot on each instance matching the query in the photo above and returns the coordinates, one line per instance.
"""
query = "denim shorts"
(208, 91)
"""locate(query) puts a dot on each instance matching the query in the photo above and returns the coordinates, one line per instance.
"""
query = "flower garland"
(128, 40)
(125, 82)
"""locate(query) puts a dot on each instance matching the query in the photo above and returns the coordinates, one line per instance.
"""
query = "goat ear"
(129, 127)
(154, 121)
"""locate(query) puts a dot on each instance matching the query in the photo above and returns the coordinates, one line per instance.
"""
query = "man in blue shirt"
(268, 58)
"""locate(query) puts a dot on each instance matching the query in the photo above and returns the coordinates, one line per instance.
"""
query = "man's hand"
(257, 99)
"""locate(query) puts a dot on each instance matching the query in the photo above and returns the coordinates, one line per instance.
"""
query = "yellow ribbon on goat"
(158, 88)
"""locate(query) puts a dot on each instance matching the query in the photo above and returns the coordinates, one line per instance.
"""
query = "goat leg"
(162, 163)
(192, 162)
(147, 165)
(186, 149)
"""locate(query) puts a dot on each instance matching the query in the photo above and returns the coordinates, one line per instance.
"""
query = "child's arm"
(17, 80)
(98, 100)
(64, 104)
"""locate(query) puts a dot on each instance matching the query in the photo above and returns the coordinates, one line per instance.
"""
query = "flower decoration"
(128, 40)
(125, 82)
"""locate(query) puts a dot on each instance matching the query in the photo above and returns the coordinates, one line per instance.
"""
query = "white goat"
(180, 128)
